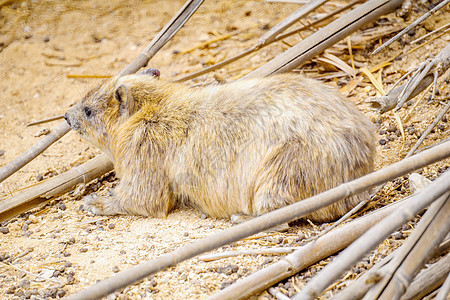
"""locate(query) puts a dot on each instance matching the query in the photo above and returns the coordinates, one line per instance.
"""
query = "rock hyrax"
(245, 147)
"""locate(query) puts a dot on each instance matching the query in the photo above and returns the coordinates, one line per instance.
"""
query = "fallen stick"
(226, 254)
(45, 120)
(374, 236)
(411, 256)
(428, 280)
(261, 44)
(362, 284)
(264, 222)
(55, 186)
(417, 83)
(429, 129)
(325, 37)
(308, 255)
(410, 26)
(57, 133)
(444, 290)
(163, 37)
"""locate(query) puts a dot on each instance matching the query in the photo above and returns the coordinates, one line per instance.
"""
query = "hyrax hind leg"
(293, 172)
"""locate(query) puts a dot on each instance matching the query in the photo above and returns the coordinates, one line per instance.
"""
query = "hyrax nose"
(66, 116)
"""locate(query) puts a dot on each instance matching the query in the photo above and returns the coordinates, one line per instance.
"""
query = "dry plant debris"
(55, 250)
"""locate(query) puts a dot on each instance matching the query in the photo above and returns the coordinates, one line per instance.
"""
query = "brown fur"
(247, 147)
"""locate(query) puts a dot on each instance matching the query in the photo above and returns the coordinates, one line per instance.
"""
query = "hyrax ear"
(126, 101)
(152, 72)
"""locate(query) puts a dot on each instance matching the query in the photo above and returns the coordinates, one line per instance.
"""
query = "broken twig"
(410, 26)
(264, 222)
(374, 236)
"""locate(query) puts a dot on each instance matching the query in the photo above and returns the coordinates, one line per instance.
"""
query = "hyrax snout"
(245, 147)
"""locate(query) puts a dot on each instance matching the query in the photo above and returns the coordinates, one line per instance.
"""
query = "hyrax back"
(248, 147)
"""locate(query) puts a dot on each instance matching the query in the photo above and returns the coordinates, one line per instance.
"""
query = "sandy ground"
(42, 43)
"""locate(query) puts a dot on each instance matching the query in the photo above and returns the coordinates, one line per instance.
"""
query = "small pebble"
(398, 236)
(61, 206)
(71, 240)
(24, 284)
(84, 249)
(70, 280)
(60, 293)
(115, 269)
(391, 128)
(203, 216)
(39, 177)
(441, 127)
(411, 130)
(186, 234)
(56, 273)
(70, 272)
(46, 39)
(268, 260)
(4, 230)
(111, 226)
(122, 252)
(382, 142)
(2, 152)
(390, 138)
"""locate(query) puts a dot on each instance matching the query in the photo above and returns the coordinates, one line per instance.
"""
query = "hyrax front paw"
(100, 205)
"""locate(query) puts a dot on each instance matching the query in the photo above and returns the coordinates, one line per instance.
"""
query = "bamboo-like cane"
(269, 39)
(264, 222)
(421, 286)
(57, 133)
(374, 236)
(55, 186)
(411, 256)
(305, 256)
(428, 280)
(429, 129)
(410, 26)
(444, 291)
(415, 85)
(326, 37)
(162, 38)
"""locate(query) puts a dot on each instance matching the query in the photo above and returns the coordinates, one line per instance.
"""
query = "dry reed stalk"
(444, 291)
(362, 284)
(261, 45)
(267, 251)
(411, 256)
(55, 186)
(374, 236)
(45, 120)
(410, 26)
(163, 37)
(431, 33)
(429, 129)
(58, 132)
(428, 280)
(423, 77)
(326, 36)
(264, 222)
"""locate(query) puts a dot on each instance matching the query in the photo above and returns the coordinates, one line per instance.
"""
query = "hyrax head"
(108, 105)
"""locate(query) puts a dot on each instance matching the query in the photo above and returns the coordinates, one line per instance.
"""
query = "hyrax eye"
(87, 112)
